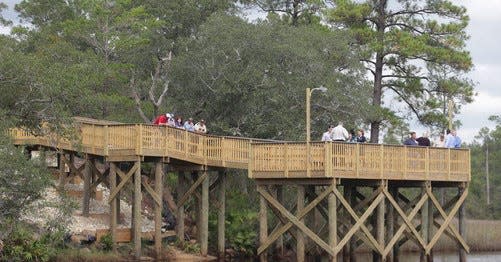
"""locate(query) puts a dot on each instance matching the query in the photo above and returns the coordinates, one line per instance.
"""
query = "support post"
(430, 228)
(300, 236)
(391, 225)
(158, 208)
(353, 198)
(462, 231)
(62, 174)
(332, 203)
(181, 188)
(87, 172)
(137, 212)
(396, 247)
(113, 206)
(380, 226)
(204, 218)
(263, 226)
(280, 241)
(221, 215)
(424, 225)
(346, 249)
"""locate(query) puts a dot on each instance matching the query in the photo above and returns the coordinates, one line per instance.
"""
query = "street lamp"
(308, 98)
(309, 91)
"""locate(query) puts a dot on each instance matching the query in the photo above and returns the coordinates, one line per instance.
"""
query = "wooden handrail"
(265, 158)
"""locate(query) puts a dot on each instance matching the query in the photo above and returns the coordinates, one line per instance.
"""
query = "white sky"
(484, 27)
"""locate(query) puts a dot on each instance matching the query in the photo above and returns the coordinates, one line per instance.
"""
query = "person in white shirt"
(339, 133)
(200, 127)
(327, 136)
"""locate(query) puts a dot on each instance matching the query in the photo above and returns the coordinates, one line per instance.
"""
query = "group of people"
(340, 134)
(452, 140)
(177, 121)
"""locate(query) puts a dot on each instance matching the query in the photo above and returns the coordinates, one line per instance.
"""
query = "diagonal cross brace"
(447, 221)
(407, 222)
(192, 189)
(359, 221)
(300, 214)
(294, 220)
(124, 179)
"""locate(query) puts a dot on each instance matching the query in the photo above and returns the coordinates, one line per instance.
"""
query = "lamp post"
(308, 128)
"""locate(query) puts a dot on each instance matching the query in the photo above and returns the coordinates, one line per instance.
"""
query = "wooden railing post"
(381, 161)
(139, 137)
(106, 140)
(448, 164)
(251, 160)
(405, 162)
(357, 159)
(286, 162)
(427, 163)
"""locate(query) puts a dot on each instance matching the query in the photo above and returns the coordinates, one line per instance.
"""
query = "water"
(442, 257)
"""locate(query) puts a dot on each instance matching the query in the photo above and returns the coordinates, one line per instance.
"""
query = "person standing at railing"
(360, 138)
(441, 141)
(161, 119)
(200, 127)
(339, 133)
(179, 122)
(170, 120)
(327, 136)
(424, 140)
(452, 140)
(189, 126)
(411, 141)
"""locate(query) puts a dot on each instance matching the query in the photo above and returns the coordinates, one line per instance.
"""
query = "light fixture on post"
(309, 91)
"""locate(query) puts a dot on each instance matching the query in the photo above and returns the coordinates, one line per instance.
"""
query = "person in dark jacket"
(424, 140)
(411, 141)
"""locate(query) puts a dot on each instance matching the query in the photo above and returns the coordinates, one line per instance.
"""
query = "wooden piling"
(263, 225)
(396, 247)
(221, 214)
(300, 235)
(181, 189)
(352, 193)
(158, 207)
(424, 226)
(280, 240)
(430, 228)
(87, 173)
(137, 211)
(204, 218)
(380, 227)
(462, 226)
(332, 206)
(113, 205)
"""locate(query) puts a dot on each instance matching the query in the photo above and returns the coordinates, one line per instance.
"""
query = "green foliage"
(106, 242)
(250, 79)
(20, 245)
(414, 50)
(188, 247)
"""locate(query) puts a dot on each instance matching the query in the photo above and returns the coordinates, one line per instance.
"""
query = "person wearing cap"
(327, 136)
(161, 119)
(188, 125)
(200, 127)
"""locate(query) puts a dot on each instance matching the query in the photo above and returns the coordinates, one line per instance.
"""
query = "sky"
(484, 28)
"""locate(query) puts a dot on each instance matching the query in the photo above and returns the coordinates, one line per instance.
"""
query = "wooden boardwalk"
(316, 170)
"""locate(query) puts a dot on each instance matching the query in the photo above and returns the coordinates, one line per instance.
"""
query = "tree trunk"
(378, 71)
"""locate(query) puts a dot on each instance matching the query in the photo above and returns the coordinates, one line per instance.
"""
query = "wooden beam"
(158, 208)
(295, 220)
(113, 206)
(192, 189)
(359, 221)
(300, 252)
(221, 214)
(447, 222)
(444, 215)
(263, 227)
(87, 187)
(300, 214)
(180, 209)
(407, 221)
(136, 216)
(154, 195)
(332, 223)
(204, 218)
(125, 179)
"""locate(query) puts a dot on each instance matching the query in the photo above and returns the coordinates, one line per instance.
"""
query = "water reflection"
(442, 257)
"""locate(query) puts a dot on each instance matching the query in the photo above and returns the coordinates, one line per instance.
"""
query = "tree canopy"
(407, 44)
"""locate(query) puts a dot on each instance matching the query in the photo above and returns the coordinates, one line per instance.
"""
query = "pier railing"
(263, 158)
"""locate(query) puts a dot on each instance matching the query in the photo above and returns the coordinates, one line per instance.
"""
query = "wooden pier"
(357, 194)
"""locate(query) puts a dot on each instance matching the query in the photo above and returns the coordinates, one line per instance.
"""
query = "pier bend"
(355, 192)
